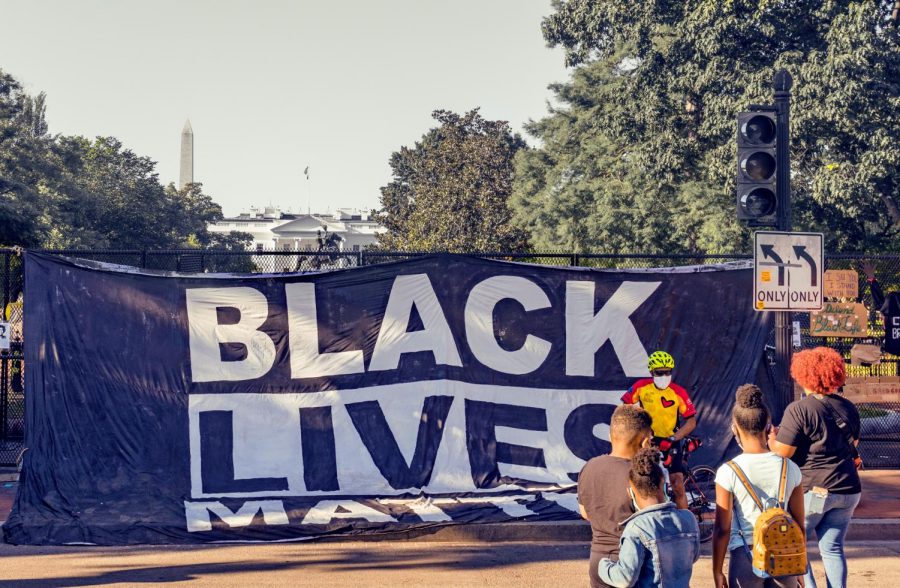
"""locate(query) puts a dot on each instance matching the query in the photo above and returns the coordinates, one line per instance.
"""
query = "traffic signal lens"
(758, 202)
(758, 166)
(759, 130)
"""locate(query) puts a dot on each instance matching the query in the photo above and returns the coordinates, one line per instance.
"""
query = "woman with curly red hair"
(819, 433)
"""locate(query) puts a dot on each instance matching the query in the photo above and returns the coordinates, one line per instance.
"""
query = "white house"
(275, 230)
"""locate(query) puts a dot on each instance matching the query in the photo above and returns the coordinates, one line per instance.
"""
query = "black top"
(603, 492)
(890, 307)
(823, 452)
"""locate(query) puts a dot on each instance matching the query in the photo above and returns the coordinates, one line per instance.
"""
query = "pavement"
(514, 554)
(400, 564)
(876, 518)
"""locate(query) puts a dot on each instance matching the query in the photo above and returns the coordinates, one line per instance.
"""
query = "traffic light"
(757, 195)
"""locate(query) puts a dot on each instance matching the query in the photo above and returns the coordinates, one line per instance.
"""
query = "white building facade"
(274, 230)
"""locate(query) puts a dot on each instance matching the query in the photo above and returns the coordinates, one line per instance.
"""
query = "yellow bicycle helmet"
(660, 359)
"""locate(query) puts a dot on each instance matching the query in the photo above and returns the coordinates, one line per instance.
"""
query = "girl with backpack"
(759, 506)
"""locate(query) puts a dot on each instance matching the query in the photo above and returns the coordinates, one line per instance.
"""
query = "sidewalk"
(881, 495)
(397, 564)
(876, 518)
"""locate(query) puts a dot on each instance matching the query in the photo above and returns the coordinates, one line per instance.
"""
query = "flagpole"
(308, 192)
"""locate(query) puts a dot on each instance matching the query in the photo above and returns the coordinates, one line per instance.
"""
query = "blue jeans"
(830, 526)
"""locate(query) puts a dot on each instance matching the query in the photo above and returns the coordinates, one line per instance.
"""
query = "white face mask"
(634, 504)
(662, 382)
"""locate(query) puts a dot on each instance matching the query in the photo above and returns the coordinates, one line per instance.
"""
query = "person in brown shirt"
(603, 482)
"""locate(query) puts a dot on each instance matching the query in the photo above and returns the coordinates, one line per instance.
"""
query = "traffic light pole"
(784, 319)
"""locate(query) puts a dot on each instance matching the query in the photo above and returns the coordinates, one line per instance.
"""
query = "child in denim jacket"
(660, 543)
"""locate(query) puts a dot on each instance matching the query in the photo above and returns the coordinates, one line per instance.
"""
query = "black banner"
(168, 408)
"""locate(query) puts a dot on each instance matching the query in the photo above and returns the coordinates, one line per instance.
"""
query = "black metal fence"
(12, 360)
(880, 444)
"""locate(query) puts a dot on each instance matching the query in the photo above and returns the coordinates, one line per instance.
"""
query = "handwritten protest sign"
(877, 389)
(839, 319)
(841, 284)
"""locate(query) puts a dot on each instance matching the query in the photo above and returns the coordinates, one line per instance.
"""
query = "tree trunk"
(893, 209)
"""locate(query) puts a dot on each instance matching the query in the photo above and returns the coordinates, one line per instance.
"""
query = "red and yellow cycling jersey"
(664, 406)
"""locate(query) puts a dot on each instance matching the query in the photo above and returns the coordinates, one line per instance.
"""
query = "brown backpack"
(779, 545)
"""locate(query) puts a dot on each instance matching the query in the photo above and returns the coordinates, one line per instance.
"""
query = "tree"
(450, 190)
(640, 152)
(25, 172)
(190, 212)
(112, 199)
(74, 192)
(190, 231)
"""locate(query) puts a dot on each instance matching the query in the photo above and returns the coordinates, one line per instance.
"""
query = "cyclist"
(666, 401)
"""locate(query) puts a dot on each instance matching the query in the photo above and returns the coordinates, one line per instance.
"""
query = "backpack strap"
(841, 424)
(749, 487)
(782, 483)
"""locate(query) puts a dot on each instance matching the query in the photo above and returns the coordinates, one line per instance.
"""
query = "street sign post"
(788, 271)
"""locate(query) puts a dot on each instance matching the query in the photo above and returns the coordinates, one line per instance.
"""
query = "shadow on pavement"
(455, 557)
(312, 559)
(160, 574)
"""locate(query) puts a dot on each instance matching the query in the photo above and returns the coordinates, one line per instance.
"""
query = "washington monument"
(187, 155)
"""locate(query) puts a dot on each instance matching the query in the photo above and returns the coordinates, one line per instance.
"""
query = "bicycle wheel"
(700, 487)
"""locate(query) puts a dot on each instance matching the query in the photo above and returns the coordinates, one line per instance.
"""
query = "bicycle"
(700, 488)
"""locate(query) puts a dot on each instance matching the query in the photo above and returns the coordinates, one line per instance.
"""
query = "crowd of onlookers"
(795, 480)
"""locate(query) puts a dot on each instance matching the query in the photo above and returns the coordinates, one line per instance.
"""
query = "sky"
(271, 87)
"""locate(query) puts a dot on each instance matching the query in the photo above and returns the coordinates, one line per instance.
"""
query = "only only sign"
(787, 270)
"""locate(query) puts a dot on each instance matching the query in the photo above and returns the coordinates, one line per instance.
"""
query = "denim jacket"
(658, 548)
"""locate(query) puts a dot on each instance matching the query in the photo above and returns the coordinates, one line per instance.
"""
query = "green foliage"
(639, 154)
(24, 171)
(73, 192)
(231, 241)
(450, 190)
(236, 241)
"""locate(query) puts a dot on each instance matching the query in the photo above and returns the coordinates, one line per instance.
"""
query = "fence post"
(359, 260)
(4, 361)
(7, 284)
(144, 258)
(4, 395)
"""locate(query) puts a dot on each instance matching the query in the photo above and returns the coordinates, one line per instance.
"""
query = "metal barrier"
(12, 361)
(880, 416)
(880, 443)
